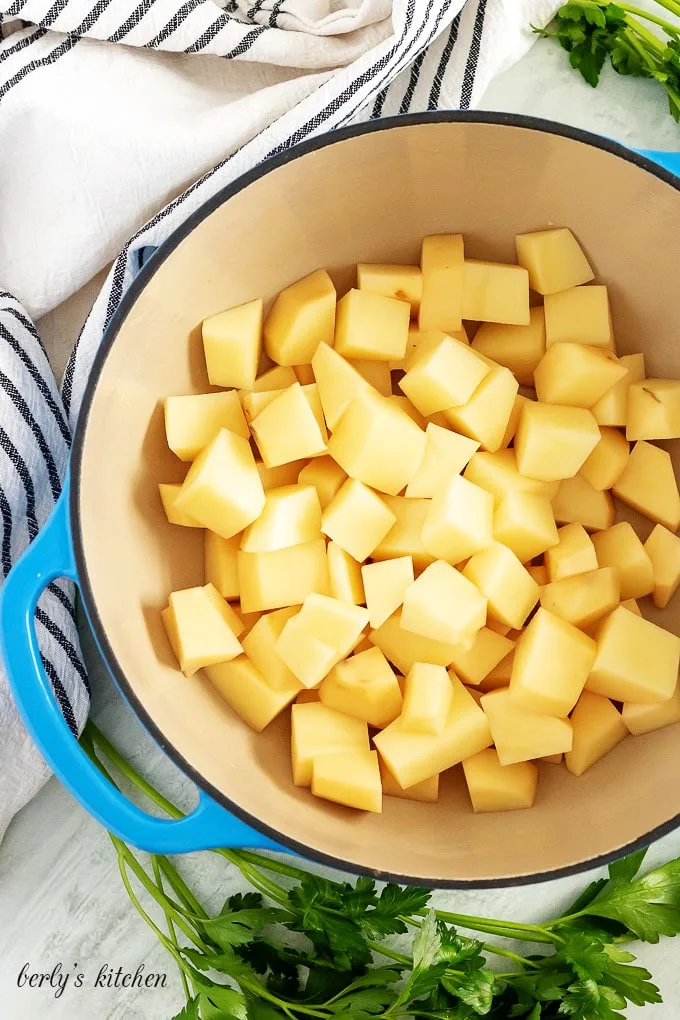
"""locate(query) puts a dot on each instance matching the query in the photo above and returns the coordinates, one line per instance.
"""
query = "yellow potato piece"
(513, 420)
(640, 718)
(291, 516)
(446, 454)
(402, 282)
(351, 778)
(608, 460)
(307, 657)
(573, 554)
(200, 626)
(620, 547)
(441, 263)
(554, 259)
(219, 557)
(443, 605)
(498, 474)
(372, 326)
(404, 647)
(405, 536)
(495, 292)
(232, 343)
(304, 374)
(636, 660)
(584, 598)
(272, 580)
(648, 485)
(302, 317)
(553, 759)
(279, 377)
(385, 583)
(612, 408)
(256, 400)
(420, 343)
(579, 315)
(344, 575)
(488, 649)
(283, 474)
(288, 428)
(357, 519)
(500, 675)
(577, 502)
(407, 408)
(247, 692)
(307, 696)
(317, 730)
(459, 521)
(325, 475)
(576, 375)
(338, 382)
(551, 665)
(168, 494)
(496, 787)
(552, 442)
(519, 348)
(520, 735)
(364, 686)
(427, 792)
(632, 606)
(510, 589)
(336, 623)
(524, 522)
(447, 374)
(259, 644)
(222, 489)
(663, 549)
(539, 574)
(598, 728)
(486, 414)
(428, 699)
(193, 421)
(413, 757)
(376, 373)
(653, 410)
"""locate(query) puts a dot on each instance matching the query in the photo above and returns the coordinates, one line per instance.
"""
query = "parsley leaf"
(190, 1011)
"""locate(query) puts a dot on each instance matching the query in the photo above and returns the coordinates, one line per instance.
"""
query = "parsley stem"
(179, 886)
(392, 954)
(158, 875)
(507, 929)
(654, 18)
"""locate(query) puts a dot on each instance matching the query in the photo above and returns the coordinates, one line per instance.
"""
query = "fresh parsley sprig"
(304, 947)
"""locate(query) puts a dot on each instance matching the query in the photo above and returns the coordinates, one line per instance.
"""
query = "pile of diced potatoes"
(410, 537)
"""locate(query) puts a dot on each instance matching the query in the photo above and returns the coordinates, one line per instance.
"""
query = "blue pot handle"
(50, 556)
(668, 160)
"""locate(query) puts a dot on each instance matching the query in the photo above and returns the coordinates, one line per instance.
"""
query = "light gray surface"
(60, 895)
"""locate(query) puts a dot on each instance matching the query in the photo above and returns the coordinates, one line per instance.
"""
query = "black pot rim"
(128, 300)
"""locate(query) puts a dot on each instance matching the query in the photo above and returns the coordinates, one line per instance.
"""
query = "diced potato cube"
(199, 629)
(500, 675)
(496, 787)
(413, 757)
(376, 373)
(648, 485)
(338, 383)
(642, 718)
(573, 554)
(441, 262)
(168, 494)
(317, 730)
(583, 598)
(385, 584)
(259, 644)
(553, 759)
(427, 791)
(448, 374)
(364, 686)
(519, 734)
(305, 374)
(598, 728)
(325, 475)
(365, 645)
(232, 342)
(193, 421)
(576, 375)
(351, 778)
(636, 660)
(632, 606)
(663, 549)
(525, 523)
(272, 580)
(510, 589)
(338, 624)
(405, 283)
(344, 575)
(620, 547)
(553, 442)
(279, 377)
(653, 409)
(254, 402)
(608, 460)
(495, 292)
(579, 315)
(519, 348)
(551, 665)
(488, 649)
(222, 490)
(247, 619)
(577, 502)
(486, 414)
(282, 474)
(612, 408)
(220, 563)
(443, 605)
(291, 516)
(288, 429)
(407, 408)
(498, 474)
(428, 699)
(369, 325)
(307, 657)
(446, 454)
(513, 420)
(357, 519)
(554, 259)
(459, 521)
(302, 317)
(419, 344)
(405, 536)
(404, 647)
(248, 694)
(376, 443)
(539, 574)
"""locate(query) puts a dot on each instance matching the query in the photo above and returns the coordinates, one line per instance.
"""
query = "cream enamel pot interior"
(363, 194)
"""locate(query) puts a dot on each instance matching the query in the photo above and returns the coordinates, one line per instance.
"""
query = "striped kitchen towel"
(94, 137)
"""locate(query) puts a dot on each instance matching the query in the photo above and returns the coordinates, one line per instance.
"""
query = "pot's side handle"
(668, 160)
(48, 557)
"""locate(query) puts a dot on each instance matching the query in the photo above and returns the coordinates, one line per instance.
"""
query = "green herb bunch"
(594, 30)
(303, 947)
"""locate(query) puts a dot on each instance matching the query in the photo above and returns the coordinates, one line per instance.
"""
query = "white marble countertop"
(61, 900)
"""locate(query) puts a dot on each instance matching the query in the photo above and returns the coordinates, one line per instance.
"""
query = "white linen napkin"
(95, 137)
